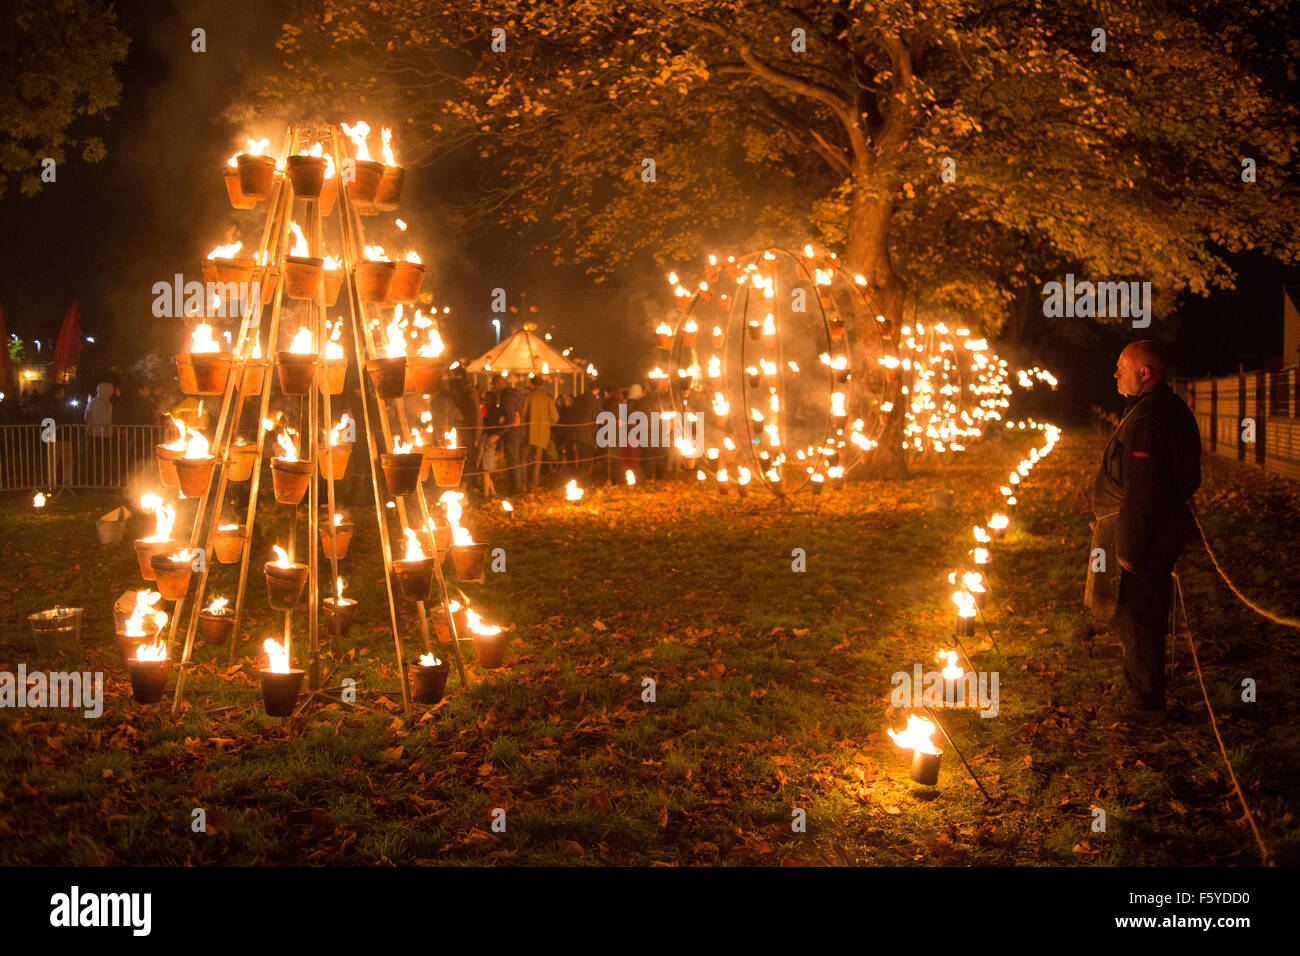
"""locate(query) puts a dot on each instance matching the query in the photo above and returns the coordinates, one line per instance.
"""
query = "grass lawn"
(772, 693)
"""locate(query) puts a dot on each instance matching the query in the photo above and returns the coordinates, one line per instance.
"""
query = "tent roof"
(525, 351)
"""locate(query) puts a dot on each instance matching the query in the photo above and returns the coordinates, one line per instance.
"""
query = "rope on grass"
(1265, 853)
(1275, 618)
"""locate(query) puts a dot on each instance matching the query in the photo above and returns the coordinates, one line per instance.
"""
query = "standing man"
(510, 407)
(1150, 469)
(540, 413)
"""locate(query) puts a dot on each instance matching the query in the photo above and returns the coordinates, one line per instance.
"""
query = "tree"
(57, 60)
(935, 143)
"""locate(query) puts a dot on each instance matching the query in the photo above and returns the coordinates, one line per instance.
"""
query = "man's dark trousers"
(1141, 622)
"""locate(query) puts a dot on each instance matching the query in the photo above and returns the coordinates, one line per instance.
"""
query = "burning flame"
(156, 651)
(196, 447)
(376, 254)
(277, 655)
(394, 332)
(476, 625)
(144, 608)
(953, 670)
(358, 134)
(335, 432)
(571, 491)
(999, 522)
(451, 504)
(38, 500)
(218, 606)
(333, 348)
(507, 506)
(299, 242)
(164, 517)
(288, 448)
(400, 447)
(965, 602)
(414, 550)
(301, 344)
(427, 660)
(202, 341)
(226, 252)
(281, 557)
(916, 736)
(630, 476)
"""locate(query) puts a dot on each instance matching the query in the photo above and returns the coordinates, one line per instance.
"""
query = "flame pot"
(423, 375)
(414, 578)
(390, 188)
(296, 371)
(719, 341)
(490, 649)
(965, 626)
(254, 373)
(238, 269)
(442, 627)
(239, 465)
(334, 375)
(172, 577)
(256, 174)
(430, 681)
(470, 561)
(448, 465)
(195, 474)
(331, 282)
(145, 550)
(280, 691)
(339, 616)
(374, 279)
(289, 479)
(925, 768)
(148, 679)
(302, 276)
(216, 628)
(836, 327)
(755, 331)
(166, 465)
(335, 541)
(203, 373)
(284, 586)
(307, 174)
(388, 376)
(364, 184)
(335, 456)
(228, 545)
(401, 472)
(233, 190)
(407, 279)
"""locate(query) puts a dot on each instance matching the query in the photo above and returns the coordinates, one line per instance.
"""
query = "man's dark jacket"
(1150, 469)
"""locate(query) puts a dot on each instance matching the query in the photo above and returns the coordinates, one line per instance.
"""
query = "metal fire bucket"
(57, 631)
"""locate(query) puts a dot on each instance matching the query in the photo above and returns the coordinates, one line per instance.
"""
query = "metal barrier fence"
(1253, 417)
(74, 456)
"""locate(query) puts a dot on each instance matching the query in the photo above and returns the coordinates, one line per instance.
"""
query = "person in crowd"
(1149, 471)
(99, 420)
(653, 457)
(540, 413)
(632, 454)
(487, 461)
(583, 415)
(563, 437)
(513, 430)
(469, 412)
(614, 397)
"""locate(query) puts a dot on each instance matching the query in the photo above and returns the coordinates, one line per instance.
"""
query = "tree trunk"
(868, 254)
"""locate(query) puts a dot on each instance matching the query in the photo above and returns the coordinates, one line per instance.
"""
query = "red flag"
(67, 350)
(6, 369)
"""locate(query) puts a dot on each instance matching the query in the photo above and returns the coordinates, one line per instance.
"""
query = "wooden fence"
(1225, 407)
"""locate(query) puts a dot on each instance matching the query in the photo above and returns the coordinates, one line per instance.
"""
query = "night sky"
(105, 233)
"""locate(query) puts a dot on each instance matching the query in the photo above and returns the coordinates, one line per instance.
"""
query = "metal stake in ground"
(957, 751)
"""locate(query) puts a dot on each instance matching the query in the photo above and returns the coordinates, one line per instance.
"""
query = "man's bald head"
(1141, 367)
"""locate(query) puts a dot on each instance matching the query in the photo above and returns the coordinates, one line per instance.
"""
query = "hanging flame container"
(256, 175)
(145, 550)
(836, 327)
(296, 371)
(390, 188)
(238, 269)
(148, 679)
(302, 276)
(442, 627)
(423, 375)
(228, 544)
(470, 561)
(251, 382)
(335, 539)
(490, 649)
(236, 194)
(216, 628)
(388, 376)
(289, 479)
(414, 578)
(239, 464)
(407, 279)
(166, 467)
(401, 472)
(430, 681)
(965, 626)
(203, 373)
(333, 455)
(334, 375)
(284, 586)
(925, 768)
(172, 577)
(307, 174)
(364, 184)
(374, 280)
(195, 475)
(280, 691)
(448, 465)
(331, 282)
(664, 341)
(339, 615)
